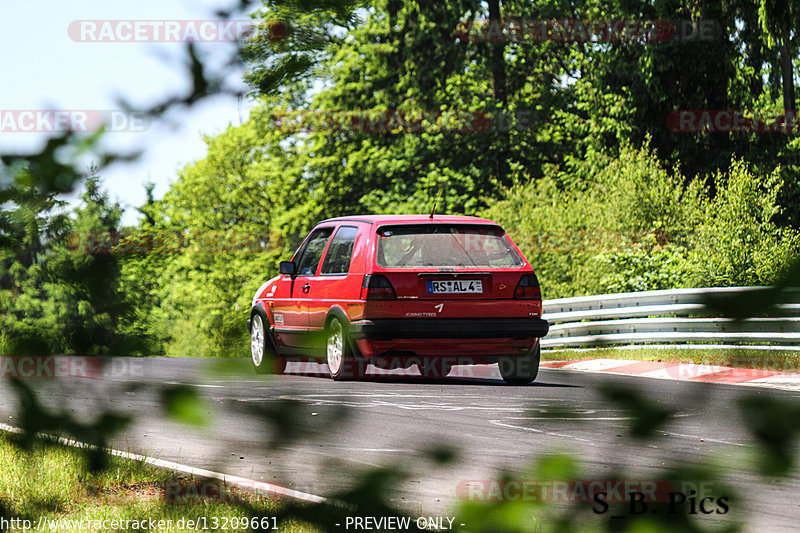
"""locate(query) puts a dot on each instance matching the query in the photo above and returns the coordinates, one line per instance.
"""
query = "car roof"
(415, 219)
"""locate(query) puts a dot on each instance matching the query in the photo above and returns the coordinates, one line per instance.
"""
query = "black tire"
(521, 369)
(262, 352)
(434, 369)
(342, 363)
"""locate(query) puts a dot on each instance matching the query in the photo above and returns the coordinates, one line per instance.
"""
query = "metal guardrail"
(676, 316)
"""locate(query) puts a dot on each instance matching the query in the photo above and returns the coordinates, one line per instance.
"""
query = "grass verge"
(51, 487)
(788, 361)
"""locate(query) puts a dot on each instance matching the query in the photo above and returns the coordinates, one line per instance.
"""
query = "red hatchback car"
(402, 290)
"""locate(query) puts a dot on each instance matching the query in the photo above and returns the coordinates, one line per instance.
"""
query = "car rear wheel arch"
(352, 364)
(339, 313)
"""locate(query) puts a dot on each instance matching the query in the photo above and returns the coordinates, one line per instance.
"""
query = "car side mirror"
(287, 267)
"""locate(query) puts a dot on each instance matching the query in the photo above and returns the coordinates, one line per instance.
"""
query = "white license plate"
(455, 286)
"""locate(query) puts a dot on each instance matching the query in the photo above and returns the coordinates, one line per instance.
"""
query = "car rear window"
(445, 245)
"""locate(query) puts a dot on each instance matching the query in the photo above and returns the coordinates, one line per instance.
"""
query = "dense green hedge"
(638, 226)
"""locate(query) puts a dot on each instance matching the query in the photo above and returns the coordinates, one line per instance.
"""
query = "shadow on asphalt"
(418, 379)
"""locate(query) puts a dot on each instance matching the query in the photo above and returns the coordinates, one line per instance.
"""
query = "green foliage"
(592, 213)
(236, 212)
(737, 241)
(184, 404)
(293, 38)
(625, 229)
(51, 482)
(635, 226)
(551, 158)
(774, 424)
(645, 266)
(56, 297)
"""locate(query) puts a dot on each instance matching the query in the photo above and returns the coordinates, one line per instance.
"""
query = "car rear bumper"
(449, 328)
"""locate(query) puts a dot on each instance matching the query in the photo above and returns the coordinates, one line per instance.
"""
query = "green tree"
(61, 283)
(292, 40)
(222, 226)
(628, 228)
(738, 241)
(780, 19)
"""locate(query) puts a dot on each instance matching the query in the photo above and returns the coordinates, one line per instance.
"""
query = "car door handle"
(306, 287)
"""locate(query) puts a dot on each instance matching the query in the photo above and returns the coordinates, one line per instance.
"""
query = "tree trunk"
(498, 66)
(498, 61)
(787, 72)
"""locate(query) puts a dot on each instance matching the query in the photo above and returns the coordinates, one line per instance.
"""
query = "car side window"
(340, 252)
(312, 253)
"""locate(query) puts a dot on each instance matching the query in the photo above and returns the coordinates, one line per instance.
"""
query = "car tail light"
(528, 288)
(377, 287)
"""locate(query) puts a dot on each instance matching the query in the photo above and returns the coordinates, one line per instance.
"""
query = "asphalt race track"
(333, 430)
